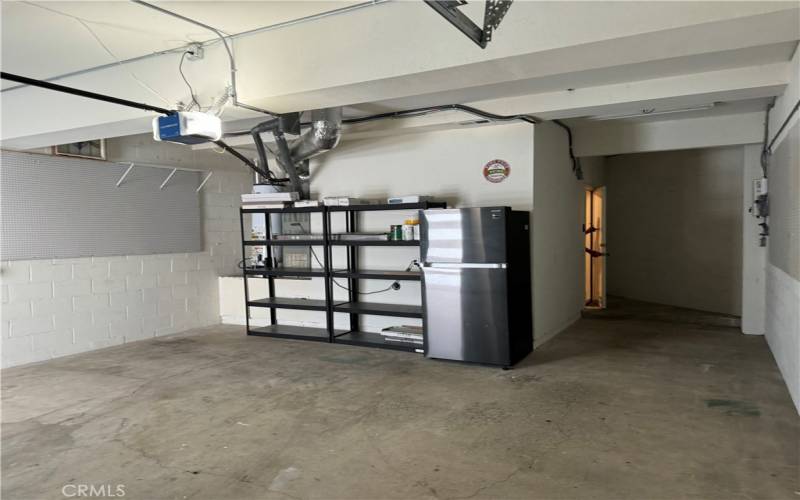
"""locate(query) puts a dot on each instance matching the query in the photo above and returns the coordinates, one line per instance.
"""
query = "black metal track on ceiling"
(122, 102)
(265, 172)
(84, 93)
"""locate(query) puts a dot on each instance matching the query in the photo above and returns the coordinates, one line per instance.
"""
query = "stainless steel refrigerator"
(476, 284)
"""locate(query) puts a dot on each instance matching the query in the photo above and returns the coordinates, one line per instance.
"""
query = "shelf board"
(291, 332)
(285, 272)
(386, 206)
(287, 210)
(370, 339)
(289, 303)
(302, 243)
(376, 243)
(378, 275)
(397, 310)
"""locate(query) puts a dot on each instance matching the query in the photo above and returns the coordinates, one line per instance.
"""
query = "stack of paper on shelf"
(360, 236)
(269, 200)
(307, 203)
(404, 333)
(344, 201)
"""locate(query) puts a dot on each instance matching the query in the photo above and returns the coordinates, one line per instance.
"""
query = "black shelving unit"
(352, 273)
(353, 306)
(273, 303)
(388, 243)
(378, 275)
(397, 310)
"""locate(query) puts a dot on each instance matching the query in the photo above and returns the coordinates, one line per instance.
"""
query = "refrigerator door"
(467, 313)
(476, 235)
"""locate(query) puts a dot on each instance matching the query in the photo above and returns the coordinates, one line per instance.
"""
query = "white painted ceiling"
(748, 56)
(43, 39)
(550, 59)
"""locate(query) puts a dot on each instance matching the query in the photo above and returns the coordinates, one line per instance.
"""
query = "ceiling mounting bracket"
(493, 14)
(195, 51)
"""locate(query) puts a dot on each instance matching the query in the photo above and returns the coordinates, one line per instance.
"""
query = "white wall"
(558, 261)
(675, 228)
(445, 164)
(448, 165)
(594, 170)
(754, 256)
(52, 308)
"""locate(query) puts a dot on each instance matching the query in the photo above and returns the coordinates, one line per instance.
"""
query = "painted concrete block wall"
(64, 306)
(53, 308)
(782, 327)
(675, 228)
(558, 260)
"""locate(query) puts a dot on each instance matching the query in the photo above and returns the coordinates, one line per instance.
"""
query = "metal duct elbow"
(324, 135)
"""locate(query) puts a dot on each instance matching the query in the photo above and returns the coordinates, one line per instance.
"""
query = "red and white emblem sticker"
(496, 171)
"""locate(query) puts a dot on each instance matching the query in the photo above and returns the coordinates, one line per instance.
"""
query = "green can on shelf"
(396, 232)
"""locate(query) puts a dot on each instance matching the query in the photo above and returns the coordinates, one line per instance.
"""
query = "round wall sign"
(496, 171)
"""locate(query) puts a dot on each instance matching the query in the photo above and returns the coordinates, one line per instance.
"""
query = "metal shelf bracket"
(172, 172)
(203, 182)
(168, 178)
(125, 174)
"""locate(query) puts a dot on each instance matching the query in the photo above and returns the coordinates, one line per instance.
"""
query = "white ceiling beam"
(684, 90)
(347, 83)
(667, 93)
(621, 137)
(370, 56)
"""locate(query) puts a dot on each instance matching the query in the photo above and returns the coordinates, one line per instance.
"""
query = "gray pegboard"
(57, 207)
(784, 209)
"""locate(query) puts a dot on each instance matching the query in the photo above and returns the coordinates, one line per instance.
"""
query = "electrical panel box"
(759, 187)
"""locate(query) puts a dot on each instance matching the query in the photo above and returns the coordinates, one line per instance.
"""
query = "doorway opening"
(594, 230)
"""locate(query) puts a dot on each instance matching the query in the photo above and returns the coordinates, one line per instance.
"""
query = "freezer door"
(467, 313)
(474, 235)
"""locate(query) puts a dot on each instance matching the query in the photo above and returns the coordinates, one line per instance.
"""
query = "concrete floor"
(613, 408)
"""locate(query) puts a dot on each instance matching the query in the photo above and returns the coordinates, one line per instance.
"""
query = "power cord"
(393, 286)
(242, 264)
(191, 90)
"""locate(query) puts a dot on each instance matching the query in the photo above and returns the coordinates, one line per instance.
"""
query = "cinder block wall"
(53, 308)
(57, 307)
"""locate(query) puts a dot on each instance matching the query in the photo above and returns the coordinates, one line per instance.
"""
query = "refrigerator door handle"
(453, 265)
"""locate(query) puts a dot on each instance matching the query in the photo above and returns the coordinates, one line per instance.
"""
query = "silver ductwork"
(324, 135)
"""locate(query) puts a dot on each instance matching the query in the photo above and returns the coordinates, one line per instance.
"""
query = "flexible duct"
(324, 135)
